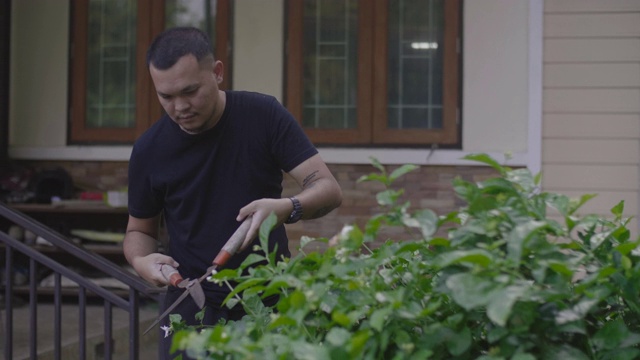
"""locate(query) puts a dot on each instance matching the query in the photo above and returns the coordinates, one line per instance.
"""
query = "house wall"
(591, 92)
(496, 83)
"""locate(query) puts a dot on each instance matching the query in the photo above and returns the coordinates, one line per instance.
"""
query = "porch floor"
(70, 324)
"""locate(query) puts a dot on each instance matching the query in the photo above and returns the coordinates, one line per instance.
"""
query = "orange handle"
(171, 274)
(233, 244)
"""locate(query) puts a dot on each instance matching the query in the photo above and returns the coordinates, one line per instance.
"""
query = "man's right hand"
(150, 267)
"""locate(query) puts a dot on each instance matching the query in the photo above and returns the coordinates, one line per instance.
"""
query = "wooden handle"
(233, 244)
(170, 273)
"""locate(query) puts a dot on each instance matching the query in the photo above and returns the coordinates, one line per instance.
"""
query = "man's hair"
(172, 44)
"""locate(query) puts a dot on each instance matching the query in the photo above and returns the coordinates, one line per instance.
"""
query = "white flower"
(167, 330)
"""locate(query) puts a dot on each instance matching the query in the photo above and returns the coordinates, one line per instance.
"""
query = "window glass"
(191, 13)
(330, 64)
(415, 53)
(111, 58)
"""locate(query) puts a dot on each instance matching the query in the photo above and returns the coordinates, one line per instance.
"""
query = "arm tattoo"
(309, 180)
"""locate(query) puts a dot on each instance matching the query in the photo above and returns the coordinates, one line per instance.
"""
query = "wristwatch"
(296, 213)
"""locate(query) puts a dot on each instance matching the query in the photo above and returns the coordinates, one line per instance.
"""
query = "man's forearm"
(137, 244)
(320, 197)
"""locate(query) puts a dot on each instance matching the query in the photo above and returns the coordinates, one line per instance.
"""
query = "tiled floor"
(70, 324)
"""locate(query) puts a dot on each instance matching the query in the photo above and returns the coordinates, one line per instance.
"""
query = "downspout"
(5, 29)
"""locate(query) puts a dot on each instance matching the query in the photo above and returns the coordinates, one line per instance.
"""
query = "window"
(382, 72)
(112, 95)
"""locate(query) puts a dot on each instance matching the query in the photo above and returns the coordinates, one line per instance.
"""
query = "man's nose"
(181, 104)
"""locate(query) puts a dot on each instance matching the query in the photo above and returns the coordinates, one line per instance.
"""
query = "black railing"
(137, 288)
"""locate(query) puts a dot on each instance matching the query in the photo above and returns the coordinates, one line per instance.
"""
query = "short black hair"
(172, 44)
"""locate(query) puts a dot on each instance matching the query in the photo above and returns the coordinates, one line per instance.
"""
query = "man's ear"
(218, 70)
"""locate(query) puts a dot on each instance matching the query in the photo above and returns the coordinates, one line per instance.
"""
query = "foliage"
(517, 275)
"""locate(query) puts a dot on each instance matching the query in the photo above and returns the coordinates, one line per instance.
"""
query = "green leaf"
(523, 178)
(388, 197)
(626, 248)
(501, 303)
(577, 312)
(610, 335)
(518, 236)
(378, 318)
(305, 351)
(523, 356)
(496, 186)
(470, 291)
(577, 204)
(341, 318)
(282, 321)
(395, 174)
(231, 302)
(618, 209)
(621, 354)
(373, 177)
(265, 229)
(477, 257)
(338, 336)
(560, 268)
(563, 352)
(488, 160)
(459, 343)
(427, 221)
(200, 314)
(376, 163)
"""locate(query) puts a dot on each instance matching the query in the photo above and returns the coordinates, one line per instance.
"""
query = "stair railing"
(137, 288)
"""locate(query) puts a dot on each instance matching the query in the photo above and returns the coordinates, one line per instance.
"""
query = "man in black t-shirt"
(215, 158)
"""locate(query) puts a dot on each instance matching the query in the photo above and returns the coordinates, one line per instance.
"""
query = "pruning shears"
(193, 287)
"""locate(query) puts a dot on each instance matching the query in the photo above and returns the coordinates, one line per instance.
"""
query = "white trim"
(534, 128)
(415, 156)
(72, 153)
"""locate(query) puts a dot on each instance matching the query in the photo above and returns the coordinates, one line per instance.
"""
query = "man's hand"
(150, 267)
(259, 210)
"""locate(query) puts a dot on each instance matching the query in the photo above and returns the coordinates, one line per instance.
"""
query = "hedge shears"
(193, 287)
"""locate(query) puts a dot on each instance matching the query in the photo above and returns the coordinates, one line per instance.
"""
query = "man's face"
(188, 92)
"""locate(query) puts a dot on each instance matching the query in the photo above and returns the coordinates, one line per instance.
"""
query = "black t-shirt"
(201, 181)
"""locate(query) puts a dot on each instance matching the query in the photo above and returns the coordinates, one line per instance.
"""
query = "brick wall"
(427, 187)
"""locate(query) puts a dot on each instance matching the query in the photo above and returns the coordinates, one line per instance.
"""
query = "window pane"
(111, 64)
(415, 64)
(330, 64)
(192, 13)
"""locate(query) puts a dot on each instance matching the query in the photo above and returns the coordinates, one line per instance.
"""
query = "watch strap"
(296, 213)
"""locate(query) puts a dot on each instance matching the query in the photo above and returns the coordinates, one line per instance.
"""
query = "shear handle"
(170, 273)
(233, 244)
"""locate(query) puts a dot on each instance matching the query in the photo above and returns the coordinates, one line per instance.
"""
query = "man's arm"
(140, 249)
(320, 194)
(320, 191)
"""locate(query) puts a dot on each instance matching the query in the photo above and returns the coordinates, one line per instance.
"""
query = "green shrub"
(518, 275)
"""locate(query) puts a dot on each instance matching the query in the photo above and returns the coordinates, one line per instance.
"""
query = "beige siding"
(592, 75)
(591, 102)
(591, 126)
(591, 50)
(592, 25)
(591, 151)
(590, 178)
(571, 6)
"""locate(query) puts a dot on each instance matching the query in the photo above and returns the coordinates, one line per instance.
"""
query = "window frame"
(150, 22)
(372, 81)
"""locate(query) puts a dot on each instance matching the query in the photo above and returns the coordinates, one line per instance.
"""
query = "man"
(214, 159)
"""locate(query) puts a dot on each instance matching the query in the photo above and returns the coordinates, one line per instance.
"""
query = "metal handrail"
(137, 287)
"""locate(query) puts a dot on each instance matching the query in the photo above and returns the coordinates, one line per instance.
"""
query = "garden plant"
(515, 273)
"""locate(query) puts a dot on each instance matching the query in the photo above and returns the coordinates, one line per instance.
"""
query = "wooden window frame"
(372, 81)
(150, 22)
